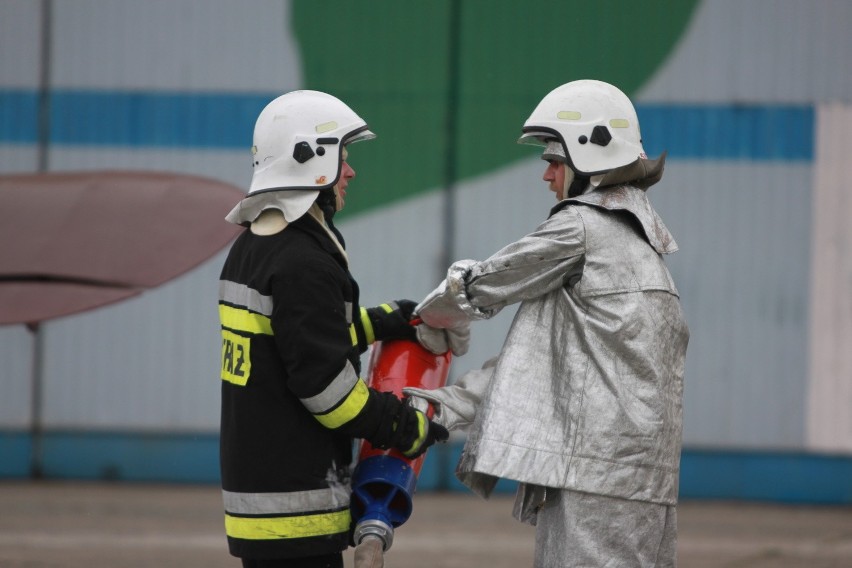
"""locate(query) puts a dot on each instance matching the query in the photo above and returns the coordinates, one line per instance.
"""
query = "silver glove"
(439, 341)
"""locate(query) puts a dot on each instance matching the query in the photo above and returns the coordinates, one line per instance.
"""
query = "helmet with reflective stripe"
(595, 123)
(298, 151)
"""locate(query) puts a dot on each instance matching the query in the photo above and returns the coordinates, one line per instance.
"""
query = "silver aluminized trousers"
(581, 530)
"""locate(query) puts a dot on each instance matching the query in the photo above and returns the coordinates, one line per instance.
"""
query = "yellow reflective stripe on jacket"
(300, 526)
(348, 409)
(240, 319)
(421, 437)
(367, 325)
(353, 335)
(369, 333)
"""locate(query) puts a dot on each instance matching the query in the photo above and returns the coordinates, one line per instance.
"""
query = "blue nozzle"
(382, 490)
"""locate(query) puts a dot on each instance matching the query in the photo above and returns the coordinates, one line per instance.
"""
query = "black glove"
(403, 427)
(415, 433)
(390, 321)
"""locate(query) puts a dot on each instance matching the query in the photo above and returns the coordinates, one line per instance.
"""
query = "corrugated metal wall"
(747, 228)
(743, 231)
(763, 51)
(733, 91)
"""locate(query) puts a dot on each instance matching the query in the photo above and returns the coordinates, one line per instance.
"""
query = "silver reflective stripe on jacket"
(242, 295)
(332, 498)
(296, 515)
(335, 392)
(341, 401)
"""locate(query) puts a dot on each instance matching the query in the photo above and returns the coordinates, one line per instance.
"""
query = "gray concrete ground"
(77, 525)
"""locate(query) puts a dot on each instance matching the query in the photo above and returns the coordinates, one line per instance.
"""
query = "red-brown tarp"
(71, 242)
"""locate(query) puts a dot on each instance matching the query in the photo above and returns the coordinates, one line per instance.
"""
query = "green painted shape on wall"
(398, 64)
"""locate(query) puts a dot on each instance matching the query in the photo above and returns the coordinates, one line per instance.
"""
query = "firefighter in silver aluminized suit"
(583, 404)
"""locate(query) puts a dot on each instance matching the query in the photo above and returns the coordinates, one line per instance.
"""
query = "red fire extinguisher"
(384, 481)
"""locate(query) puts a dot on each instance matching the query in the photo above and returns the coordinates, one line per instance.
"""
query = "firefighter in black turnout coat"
(292, 336)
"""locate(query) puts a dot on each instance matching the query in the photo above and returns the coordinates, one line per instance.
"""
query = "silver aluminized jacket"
(586, 392)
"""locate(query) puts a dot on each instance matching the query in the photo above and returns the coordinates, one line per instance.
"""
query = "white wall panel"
(20, 44)
(759, 51)
(394, 252)
(149, 363)
(181, 45)
(17, 159)
(830, 395)
(16, 373)
(744, 231)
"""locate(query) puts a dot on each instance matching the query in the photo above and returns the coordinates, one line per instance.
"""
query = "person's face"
(554, 175)
(346, 174)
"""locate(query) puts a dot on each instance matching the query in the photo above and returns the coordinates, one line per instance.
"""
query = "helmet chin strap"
(329, 202)
(338, 201)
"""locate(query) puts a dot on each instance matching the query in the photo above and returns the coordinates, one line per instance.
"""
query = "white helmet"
(298, 147)
(595, 123)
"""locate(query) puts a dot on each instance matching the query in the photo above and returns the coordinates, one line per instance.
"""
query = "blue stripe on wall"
(729, 132)
(15, 454)
(792, 477)
(18, 117)
(138, 119)
(114, 456)
(226, 121)
(154, 120)
(766, 476)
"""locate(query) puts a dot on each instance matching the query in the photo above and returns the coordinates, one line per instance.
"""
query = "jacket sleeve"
(528, 268)
(314, 340)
